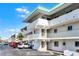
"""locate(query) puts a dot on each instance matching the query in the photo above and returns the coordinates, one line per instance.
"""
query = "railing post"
(40, 32)
(45, 33)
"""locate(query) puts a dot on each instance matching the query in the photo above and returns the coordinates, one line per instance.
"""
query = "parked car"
(31, 46)
(13, 44)
(6, 43)
(19, 45)
(26, 45)
(22, 45)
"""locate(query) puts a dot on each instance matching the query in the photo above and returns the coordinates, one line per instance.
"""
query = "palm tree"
(20, 36)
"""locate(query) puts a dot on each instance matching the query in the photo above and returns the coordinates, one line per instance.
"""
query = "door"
(43, 32)
(64, 46)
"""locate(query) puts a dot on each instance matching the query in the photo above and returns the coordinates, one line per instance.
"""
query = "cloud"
(13, 30)
(8, 32)
(21, 15)
(22, 11)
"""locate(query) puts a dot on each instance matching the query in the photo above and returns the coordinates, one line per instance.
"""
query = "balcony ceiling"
(64, 11)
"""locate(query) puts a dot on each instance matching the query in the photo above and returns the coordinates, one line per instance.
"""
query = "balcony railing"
(35, 36)
(73, 33)
(32, 36)
(67, 17)
(39, 23)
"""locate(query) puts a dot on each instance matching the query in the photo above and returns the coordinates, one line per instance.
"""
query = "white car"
(23, 45)
(20, 46)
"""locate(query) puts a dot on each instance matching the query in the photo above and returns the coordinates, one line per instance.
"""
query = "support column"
(45, 33)
(40, 32)
(43, 45)
(32, 32)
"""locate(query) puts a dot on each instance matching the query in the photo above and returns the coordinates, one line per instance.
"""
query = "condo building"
(55, 29)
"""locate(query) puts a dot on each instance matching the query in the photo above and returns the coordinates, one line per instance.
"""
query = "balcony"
(39, 23)
(33, 36)
(30, 36)
(66, 18)
(73, 33)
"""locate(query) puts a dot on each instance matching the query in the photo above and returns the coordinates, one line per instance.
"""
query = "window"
(44, 17)
(68, 11)
(64, 43)
(56, 43)
(43, 30)
(48, 19)
(55, 30)
(77, 43)
(49, 30)
(30, 33)
(69, 28)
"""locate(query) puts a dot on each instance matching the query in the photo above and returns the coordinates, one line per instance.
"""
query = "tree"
(13, 37)
(20, 36)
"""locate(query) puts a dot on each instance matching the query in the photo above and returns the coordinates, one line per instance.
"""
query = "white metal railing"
(43, 35)
(31, 25)
(69, 16)
(37, 23)
(32, 36)
(36, 35)
(24, 32)
(73, 33)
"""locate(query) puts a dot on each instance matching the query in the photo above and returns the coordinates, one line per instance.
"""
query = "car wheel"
(20, 48)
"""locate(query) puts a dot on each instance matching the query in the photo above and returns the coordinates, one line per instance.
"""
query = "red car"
(13, 44)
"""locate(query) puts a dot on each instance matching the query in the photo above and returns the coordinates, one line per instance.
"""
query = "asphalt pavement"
(6, 50)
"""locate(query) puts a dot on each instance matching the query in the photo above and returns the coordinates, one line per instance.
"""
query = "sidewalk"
(56, 53)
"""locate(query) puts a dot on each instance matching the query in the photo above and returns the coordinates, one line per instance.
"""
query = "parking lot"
(6, 50)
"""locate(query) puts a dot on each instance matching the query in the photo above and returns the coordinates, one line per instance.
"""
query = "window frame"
(55, 30)
(56, 43)
(42, 44)
(76, 43)
(69, 28)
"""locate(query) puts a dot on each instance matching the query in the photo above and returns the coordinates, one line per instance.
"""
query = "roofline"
(46, 11)
(59, 7)
(36, 9)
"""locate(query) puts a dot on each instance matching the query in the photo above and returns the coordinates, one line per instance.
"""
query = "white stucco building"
(55, 29)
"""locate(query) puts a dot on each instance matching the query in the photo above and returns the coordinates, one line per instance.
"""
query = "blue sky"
(12, 16)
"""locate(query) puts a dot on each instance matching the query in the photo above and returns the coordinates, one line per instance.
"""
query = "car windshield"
(20, 43)
(25, 43)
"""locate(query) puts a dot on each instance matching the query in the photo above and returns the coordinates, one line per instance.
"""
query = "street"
(6, 50)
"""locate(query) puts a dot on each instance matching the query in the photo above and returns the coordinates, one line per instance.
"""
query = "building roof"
(41, 10)
(24, 28)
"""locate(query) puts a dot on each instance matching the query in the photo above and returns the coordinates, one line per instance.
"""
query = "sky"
(13, 14)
